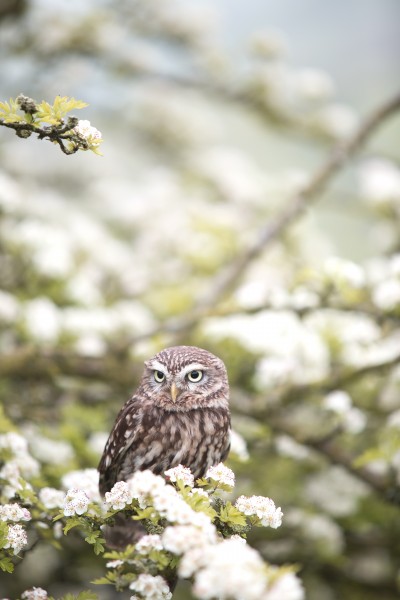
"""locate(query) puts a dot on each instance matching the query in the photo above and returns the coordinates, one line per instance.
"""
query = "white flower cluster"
(351, 418)
(51, 498)
(16, 538)
(35, 593)
(182, 473)
(14, 512)
(242, 567)
(87, 131)
(150, 542)
(150, 587)
(119, 496)
(379, 184)
(263, 508)
(221, 474)
(84, 479)
(180, 539)
(76, 502)
(21, 463)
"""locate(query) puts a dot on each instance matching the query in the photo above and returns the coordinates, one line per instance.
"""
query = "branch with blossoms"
(50, 121)
(194, 531)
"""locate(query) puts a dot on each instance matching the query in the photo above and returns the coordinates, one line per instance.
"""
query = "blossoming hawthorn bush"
(193, 529)
(185, 233)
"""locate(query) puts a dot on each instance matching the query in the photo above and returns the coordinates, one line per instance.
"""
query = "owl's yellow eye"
(159, 376)
(195, 376)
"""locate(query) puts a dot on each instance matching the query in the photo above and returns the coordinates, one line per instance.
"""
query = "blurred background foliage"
(215, 115)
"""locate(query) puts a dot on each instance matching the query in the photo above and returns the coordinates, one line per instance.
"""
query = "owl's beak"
(174, 391)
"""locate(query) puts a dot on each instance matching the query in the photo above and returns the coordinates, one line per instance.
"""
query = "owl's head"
(183, 378)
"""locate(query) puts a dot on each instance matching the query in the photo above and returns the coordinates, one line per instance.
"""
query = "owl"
(178, 415)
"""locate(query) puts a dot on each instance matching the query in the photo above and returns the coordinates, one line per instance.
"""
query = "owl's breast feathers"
(148, 437)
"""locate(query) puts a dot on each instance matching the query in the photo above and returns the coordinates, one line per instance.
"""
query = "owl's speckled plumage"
(173, 421)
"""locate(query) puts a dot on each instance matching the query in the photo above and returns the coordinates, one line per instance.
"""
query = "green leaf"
(72, 522)
(101, 581)
(97, 541)
(8, 112)
(55, 114)
(85, 595)
(230, 514)
(6, 564)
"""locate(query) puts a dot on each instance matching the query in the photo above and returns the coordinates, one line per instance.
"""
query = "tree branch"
(271, 231)
(226, 280)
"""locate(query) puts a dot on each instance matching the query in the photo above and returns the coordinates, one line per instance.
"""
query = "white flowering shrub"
(194, 530)
(213, 218)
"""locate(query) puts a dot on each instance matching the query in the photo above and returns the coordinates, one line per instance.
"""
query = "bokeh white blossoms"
(261, 507)
(35, 593)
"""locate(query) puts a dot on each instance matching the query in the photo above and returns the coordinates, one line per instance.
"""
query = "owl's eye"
(195, 376)
(159, 376)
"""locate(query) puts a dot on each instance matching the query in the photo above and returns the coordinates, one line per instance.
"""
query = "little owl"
(178, 415)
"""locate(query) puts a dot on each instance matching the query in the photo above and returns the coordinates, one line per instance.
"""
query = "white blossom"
(113, 564)
(150, 587)
(87, 131)
(147, 543)
(144, 484)
(264, 508)
(352, 418)
(182, 473)
(35, 593)
(337, 401)
(51, 497)
(335, 491)
(16, 538)
(379, 182)
(76, 502)
(230, 570)
(14, 512)
(286, 587)
(85, 479)
(119, 496)
(343, 271)
(386, 294)
(179, 539)
(51, 451)
(42, 319)
(221, 474)
(14, 442)
(287, 446)
(9, 307)
(238, 445)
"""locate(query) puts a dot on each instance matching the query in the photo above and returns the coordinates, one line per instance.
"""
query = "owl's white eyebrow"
(154, 365)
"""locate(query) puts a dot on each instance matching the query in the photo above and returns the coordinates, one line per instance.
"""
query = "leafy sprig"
(52, 122)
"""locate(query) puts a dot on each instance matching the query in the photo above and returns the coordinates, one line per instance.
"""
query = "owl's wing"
(127, 428)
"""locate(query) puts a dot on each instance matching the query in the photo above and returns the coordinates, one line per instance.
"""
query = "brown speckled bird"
(178, 415)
